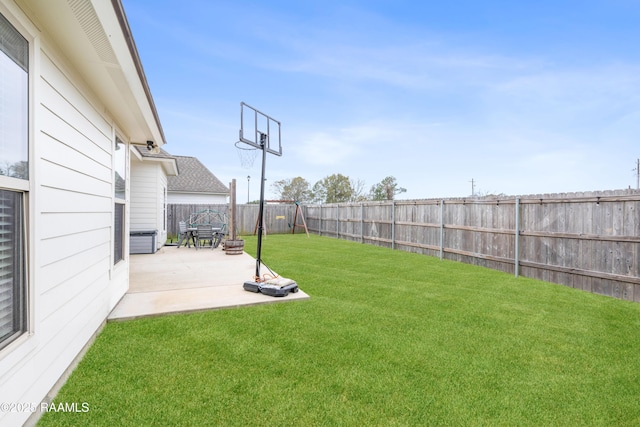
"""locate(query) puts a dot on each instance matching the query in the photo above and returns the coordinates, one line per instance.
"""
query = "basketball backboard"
(255, 126)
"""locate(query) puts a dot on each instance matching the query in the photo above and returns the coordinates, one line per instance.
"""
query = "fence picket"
(589, 241)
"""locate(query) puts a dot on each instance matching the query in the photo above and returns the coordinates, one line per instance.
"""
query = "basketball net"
(247, 154)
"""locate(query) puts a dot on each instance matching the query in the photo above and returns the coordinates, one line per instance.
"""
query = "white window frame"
(164, 209)
(23, 187)
(119, 202)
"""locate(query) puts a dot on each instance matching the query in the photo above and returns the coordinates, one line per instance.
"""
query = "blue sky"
(522, 97)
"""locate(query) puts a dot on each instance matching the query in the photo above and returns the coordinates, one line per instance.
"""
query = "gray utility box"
(143, 242)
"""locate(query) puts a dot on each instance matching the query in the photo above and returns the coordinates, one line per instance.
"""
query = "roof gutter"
(126, 31)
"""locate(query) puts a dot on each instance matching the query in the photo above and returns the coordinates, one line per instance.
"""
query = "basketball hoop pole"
(263, 138)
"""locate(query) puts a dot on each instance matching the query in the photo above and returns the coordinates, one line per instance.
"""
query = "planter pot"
(233, 247)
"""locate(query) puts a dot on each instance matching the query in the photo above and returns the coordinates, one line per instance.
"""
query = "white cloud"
(325, 149)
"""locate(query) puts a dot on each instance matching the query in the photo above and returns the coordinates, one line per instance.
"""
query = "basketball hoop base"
(251, 286)
(272, 289)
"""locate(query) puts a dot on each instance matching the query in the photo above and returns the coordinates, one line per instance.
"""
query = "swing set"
(293, 225)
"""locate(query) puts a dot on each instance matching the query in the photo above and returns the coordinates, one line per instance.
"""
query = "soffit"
(94, 38)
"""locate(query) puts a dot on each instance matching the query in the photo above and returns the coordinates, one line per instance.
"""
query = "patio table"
(192, 233)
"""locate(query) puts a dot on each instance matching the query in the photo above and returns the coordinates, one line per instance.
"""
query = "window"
(120, 177)
(118, 227)
(14, 87)
(12, 294)
(14, 175)
(164, 208)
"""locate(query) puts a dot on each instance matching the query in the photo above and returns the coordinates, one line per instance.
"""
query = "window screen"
(12, 306)
(13, 44)
(118, 238)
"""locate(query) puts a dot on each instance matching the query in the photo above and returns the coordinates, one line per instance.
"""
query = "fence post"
(361, 222)
(320, 222)
(441, 228)
(516, 255)
(393, 224)
(337, 221)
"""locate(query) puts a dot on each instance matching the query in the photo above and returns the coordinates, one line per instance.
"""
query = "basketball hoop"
(261, 132)
(246, 153)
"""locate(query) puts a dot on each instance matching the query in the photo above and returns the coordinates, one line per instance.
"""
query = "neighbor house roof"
(194, 177)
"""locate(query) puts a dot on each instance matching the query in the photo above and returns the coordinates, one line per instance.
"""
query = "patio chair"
(217, 238)
(219, 228)
(183, 233)
(205, 233)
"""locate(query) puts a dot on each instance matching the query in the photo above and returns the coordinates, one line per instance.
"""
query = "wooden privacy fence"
(277, 217)
(589, 241)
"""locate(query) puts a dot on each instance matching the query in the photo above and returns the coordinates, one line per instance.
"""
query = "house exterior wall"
(148, 187)
(72, 281)
(177, 198)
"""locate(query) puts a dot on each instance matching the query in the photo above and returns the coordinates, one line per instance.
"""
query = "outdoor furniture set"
(205, 228)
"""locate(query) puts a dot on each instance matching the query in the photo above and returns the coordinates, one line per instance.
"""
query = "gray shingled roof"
(194, 177)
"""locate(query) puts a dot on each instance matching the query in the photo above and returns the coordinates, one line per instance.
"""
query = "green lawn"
(387, 338)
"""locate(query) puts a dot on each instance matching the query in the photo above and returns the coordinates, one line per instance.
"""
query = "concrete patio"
(182, 280)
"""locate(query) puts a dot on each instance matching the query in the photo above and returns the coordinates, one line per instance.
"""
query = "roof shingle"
(194, 177)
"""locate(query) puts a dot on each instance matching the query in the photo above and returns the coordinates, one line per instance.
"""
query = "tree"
(335, 188)
(296, 189)
(17, 170)
(358, 194)
(386, 189)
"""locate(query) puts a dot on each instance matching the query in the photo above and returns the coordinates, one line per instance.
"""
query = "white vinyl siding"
(75, 165)
(148, 184)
